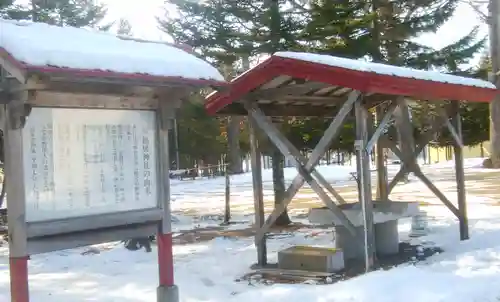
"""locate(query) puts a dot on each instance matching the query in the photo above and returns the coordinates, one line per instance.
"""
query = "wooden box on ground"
(314, 259)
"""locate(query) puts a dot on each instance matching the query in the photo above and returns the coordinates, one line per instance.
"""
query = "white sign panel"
(80, 162)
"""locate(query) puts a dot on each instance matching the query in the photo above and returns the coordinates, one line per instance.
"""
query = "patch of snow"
(466, 271)
(39, 44)
(206, 272)
(385, 69)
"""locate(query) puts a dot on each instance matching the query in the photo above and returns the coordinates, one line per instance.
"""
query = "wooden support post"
(167, 290)
(364, 183)
(258, 194)
(405, 137)
(382, 185)
(459, 173)
(14, 171)
(227, 195)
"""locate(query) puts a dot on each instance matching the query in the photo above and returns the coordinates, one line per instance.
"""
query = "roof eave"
(124, 78)
(358, 80)
(241, 85)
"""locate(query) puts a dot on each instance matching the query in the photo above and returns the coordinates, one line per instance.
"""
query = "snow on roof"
(38, 44)
(385, 69)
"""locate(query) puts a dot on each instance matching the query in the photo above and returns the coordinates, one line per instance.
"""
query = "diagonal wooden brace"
(456, 137)
(290, 151)
(380, 128)
(322, 146)
(411, 166)
(420, 145)
(436, 192)
(418, 173)
(287, 150)
(404, 129)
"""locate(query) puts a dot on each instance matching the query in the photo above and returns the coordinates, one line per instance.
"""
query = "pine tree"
(8, 10)
(385, 31)
(200, 136)
(76, 13)
(211, 29)
(124, 28)
(224, 31)
(339, 28)
(397, 23)
(4, 6)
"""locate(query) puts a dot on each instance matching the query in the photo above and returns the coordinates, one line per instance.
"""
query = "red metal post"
(19, 289)
(165, 259)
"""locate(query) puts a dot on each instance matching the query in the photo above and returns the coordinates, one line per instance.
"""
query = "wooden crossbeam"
(273, 93)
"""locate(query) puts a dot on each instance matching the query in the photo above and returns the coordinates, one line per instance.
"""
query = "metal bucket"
(419, 225)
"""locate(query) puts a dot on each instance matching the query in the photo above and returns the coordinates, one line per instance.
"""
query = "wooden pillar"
(258, 194)
(364, 183)
(382, 181)
(405, 136)
(14, 171)
(459, 174)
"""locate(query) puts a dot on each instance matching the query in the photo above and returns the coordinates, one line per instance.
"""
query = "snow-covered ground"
(206, 271)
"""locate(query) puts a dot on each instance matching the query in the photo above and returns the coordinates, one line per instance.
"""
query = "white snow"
(467, 271)
(39, 44)
(385, 69)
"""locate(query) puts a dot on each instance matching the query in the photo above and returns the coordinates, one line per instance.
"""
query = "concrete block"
(386, 240)
(382, 212)
(313, 259)
(167, 293)
(350, 246)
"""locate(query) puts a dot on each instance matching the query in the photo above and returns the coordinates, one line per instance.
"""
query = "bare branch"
(476, 6)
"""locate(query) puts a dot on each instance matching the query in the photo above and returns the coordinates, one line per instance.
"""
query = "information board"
(80, 162)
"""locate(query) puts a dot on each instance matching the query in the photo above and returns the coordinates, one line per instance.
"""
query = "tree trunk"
(234, 158)
(494, 23)
(233, 133)
(278, 163)
(278, 160)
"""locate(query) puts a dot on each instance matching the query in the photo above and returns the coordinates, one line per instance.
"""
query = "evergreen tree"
(339, 28)
(224, 31)
(211, 29)
(124, 28)
(385, 30)
(76, 13)
(200, 135)
(9, 10)
(398, 23)
(4, 6)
